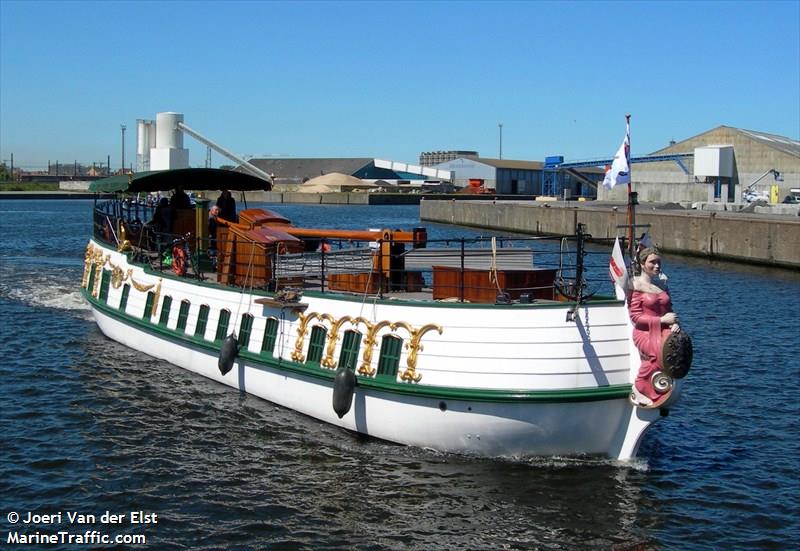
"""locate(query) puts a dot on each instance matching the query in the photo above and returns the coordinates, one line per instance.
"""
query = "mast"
(632, 196)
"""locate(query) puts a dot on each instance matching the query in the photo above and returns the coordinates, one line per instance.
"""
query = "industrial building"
(433, 158)
(513, 177)
(717, 165)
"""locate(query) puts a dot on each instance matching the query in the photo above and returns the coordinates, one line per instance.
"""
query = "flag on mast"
(618, 271)
(620, 170)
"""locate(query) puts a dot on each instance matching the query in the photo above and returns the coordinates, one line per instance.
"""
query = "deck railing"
(483, 269)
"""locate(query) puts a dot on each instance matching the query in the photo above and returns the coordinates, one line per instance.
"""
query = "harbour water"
(90, 426)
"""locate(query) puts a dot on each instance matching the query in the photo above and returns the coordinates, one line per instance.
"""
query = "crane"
(255, 171)
(749, 195)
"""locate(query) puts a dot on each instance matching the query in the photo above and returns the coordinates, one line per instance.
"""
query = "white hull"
(496, 381)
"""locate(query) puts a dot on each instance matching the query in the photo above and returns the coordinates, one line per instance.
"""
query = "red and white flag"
(618, 271)
(620, 170)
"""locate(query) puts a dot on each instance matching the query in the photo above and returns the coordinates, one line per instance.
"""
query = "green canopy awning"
(195, 179)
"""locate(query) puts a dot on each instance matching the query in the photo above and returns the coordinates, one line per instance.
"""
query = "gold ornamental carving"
(156, 297)
(95, 260)
(123, 243)
(88, 262)
(302, 329)
(414, 347)
(99, 263)
(369, 344)
(139, 286)
(333, 337)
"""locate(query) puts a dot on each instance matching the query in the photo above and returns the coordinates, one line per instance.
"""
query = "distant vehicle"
(792, 200)
(753, 195)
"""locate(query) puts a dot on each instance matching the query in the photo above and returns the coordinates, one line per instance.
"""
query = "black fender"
(344, 385)
(227, 353)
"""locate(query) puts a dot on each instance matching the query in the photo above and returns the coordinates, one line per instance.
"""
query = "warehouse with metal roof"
(747, 159)
(515, 177)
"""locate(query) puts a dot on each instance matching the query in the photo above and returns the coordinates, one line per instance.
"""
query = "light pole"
(122, 127)
(500, 125)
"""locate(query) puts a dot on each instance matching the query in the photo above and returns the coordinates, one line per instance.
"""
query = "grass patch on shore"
(28, 186)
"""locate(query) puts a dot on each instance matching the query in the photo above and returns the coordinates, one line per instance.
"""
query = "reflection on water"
(90, 425)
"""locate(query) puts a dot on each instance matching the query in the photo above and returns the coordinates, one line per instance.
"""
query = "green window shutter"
(123, 301)
(202, 320)
(166, 304)
(90, 283)
(183, 315)
(270, 336)
(245, 329)
(389, 360)
(148, 305)
(222, 326)
(350, 345)
(105, 281)
(316, 344)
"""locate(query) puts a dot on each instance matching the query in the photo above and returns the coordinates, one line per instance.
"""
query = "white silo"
(168, 152)
(145, 139)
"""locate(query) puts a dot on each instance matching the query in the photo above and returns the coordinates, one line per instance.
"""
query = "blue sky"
(392, 79)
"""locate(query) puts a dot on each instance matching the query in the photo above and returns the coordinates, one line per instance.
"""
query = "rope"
(366, 294)
(111, 227)
(493, 267)
(247, 276)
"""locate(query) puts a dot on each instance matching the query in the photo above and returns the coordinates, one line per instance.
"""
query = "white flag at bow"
(620, 171)
(618, 271)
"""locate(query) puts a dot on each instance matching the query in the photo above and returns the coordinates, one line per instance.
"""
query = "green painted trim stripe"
(614, 392)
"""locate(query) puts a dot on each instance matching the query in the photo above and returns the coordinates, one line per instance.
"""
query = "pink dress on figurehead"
(646, 310)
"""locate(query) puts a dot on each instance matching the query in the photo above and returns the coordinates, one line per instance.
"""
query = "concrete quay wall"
(738, 237)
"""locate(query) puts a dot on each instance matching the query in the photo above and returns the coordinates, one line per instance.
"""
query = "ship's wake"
(59, 290)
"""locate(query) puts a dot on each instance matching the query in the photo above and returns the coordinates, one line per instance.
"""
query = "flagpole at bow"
(632, 197)
(620, 173)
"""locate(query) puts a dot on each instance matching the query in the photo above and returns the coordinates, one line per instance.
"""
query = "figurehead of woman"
(650, 278)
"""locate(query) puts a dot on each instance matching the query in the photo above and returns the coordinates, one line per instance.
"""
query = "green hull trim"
(313, 371)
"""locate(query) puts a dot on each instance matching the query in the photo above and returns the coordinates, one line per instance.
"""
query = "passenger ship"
(469, 349)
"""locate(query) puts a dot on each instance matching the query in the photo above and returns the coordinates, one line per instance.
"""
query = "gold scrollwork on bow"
(99, 264)
(88, 263)
(333, 336)
(414, 347)
(156, 297)
(142, 287)
(369, 343)
(95, 260)
(302, 329)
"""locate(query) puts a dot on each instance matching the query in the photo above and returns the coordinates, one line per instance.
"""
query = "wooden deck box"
(475, 285)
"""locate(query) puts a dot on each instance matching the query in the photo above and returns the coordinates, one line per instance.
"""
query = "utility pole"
(500, 125)
(122, 127)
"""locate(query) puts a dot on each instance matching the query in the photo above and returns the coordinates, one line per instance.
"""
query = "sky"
(392, 79)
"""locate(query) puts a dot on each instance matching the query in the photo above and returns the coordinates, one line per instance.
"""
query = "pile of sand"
(333, 182)
(316, 188)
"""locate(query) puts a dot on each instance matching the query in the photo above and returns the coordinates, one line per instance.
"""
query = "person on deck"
(650, 309)
(227, 206)
(213, 213)
(180, 200)
(162, 217)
